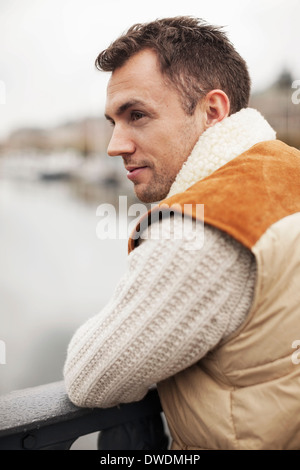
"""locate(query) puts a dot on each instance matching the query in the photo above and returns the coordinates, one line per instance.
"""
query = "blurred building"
(87, 136)
(276, 105)
(90, 136)
(76, 150)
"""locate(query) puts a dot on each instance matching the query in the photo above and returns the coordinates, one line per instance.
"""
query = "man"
(212, 327)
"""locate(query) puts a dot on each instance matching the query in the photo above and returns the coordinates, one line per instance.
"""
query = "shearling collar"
(220, 144)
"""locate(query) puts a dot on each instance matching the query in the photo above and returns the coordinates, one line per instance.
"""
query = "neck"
(220, 144)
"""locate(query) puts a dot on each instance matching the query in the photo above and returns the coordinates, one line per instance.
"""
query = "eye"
(136, 115)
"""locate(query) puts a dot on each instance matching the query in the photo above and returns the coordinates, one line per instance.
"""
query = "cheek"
(155, 147)
(167, 145)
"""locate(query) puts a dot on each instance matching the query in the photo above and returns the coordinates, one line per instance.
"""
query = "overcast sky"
(48, 49)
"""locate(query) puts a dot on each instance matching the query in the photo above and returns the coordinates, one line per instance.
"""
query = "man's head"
(171, 80)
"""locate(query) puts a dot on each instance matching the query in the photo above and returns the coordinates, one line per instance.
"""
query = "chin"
(146, 198)
(149, 194)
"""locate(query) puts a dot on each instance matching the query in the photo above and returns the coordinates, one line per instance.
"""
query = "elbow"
(103, 388)
(83, 397)
(74, 387)
(75, 394)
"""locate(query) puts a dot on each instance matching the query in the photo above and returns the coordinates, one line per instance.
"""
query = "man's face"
(151, 131)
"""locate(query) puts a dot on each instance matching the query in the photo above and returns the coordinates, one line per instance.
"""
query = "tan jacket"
(245, 393)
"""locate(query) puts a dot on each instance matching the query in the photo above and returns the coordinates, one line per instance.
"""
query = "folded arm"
(171, 307)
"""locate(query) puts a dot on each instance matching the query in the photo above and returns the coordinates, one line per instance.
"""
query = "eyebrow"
(121, 109)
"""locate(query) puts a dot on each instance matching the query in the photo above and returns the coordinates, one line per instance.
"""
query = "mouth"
(134, 172)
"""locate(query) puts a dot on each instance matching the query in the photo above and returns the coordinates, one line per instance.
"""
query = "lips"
(135, 171)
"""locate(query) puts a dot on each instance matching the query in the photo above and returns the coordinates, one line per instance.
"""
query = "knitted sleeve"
(173, 305)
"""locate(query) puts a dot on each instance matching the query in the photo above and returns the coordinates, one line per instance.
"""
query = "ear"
(216, 107)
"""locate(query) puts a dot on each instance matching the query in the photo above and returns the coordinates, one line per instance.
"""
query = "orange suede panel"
(245, 196)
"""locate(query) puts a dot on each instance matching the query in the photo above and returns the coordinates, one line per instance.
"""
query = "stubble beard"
(156, 190)
(159, 187)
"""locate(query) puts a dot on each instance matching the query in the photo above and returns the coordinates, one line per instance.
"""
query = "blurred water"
(54, 274)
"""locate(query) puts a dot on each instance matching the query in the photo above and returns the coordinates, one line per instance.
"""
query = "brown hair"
(194, 56)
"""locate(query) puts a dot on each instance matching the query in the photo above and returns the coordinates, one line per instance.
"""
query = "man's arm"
(171, 307)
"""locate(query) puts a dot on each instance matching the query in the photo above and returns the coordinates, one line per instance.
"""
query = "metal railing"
(44, 418)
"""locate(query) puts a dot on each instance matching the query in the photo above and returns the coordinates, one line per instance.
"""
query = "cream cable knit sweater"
(174, 303)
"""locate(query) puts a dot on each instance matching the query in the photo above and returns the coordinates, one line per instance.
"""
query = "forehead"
(138, 79)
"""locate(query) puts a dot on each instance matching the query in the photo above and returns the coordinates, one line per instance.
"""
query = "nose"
(120, 143)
